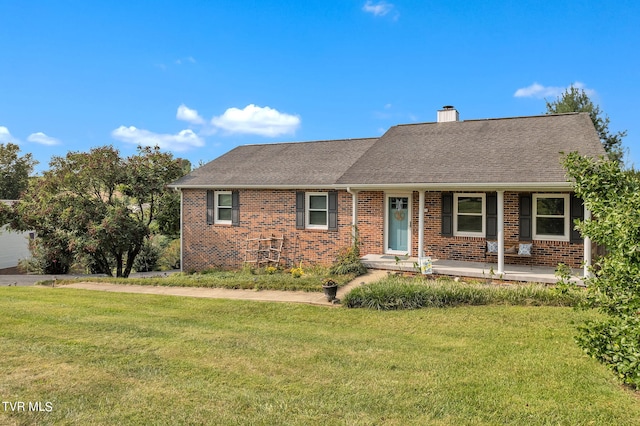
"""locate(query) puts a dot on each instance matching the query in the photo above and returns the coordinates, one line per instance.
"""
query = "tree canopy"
(576, 100)
(14, 171)
(98, 205)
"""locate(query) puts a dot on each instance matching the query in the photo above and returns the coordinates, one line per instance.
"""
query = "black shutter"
(333, 211)
(300, 210)
(235, 208)
(525, 217)
(447, 214)
(577, 213)
(492, 216)
(210, 204)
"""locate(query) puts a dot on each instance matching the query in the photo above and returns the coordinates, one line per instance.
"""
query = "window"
(317, 210)
(551, 217)
(223, 207)
(469, 215)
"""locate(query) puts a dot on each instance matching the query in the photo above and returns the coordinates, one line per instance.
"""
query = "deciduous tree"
(576, 100)
(14, 171)
(99, 205)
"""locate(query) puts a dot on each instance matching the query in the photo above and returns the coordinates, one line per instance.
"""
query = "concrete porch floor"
(539, 274)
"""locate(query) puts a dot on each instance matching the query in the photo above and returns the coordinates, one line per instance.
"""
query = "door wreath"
(399, 215)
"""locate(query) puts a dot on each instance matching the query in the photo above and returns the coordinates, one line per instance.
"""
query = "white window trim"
(457, 233)
(216, 219)
(567, 218)
(307, 208)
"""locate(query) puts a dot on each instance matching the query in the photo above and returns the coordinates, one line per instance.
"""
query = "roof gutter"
(445, 186)
(460, 186)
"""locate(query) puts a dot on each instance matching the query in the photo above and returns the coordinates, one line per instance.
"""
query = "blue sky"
(201, 77)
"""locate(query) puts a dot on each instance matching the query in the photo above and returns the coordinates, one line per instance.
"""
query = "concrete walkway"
(313, 298)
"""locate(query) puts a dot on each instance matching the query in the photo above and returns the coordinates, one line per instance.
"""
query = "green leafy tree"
(98, 205)
(14, 171)
(576, 100)
(613, 196)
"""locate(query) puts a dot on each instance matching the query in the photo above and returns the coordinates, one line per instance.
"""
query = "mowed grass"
(109, 358)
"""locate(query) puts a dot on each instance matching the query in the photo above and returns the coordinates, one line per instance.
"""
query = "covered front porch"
(454, 268)
(450, 222)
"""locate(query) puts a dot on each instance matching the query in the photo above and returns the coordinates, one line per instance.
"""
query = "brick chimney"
(448, 113)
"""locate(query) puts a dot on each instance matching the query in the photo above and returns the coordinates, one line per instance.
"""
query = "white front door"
(398, 224)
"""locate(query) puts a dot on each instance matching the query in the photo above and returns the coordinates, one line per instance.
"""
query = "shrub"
(147, 259)
(50, 256)
(170, 257)
(393, 293)
(613, 196)
(616, 343)
(348, 259)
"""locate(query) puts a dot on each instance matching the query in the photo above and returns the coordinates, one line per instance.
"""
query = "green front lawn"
(109, 358)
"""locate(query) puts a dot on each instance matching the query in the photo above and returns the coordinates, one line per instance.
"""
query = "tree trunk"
(103, 264)
(131, 256)
(119, 265)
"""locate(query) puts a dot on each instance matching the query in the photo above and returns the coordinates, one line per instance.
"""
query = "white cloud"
(539, 91)
(5, 135)
(42, 139)
(187, 59)
(380, 8)
(181, 141)
(579, 85)
(189, 115)
(257, 121)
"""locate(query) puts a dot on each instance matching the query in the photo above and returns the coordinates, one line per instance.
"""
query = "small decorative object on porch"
(426, 265)
(330, 288)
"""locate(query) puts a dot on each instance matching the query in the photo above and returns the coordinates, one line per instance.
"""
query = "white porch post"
(421, 224)
(587, 247)
(500, 232)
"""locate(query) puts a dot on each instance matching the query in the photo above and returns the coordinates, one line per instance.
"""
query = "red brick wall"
(371, 222)
(266, 212)
(272, 212)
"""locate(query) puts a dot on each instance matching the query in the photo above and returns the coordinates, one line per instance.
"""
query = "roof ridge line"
(316, 141)
(491, 119)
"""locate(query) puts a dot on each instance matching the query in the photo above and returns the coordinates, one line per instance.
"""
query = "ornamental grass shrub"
(396, 292)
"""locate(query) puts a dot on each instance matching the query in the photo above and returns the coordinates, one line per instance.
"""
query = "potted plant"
(330, 288)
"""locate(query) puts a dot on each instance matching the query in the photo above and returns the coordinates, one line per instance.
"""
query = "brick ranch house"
(449, 189)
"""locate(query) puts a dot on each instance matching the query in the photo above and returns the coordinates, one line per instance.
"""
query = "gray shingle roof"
(295, 164)
(522, 149)
(506, 150)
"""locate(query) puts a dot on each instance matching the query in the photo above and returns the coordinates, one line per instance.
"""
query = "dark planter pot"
(330, 291)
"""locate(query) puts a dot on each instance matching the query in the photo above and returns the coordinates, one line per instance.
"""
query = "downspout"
(421, 224)
(354, 212)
